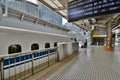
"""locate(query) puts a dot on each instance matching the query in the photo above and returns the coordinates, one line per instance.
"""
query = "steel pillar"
(109, 40)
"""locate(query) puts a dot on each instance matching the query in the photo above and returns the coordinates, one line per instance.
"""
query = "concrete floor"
(92, 63)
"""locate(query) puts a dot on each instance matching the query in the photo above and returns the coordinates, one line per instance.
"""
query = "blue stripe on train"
(26, 57)
(17, 64)
(51, 51)
(17, 59)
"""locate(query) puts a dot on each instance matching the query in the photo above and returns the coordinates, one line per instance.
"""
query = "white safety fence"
(22, 65)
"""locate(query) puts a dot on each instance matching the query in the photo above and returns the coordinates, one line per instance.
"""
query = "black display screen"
(81, 9)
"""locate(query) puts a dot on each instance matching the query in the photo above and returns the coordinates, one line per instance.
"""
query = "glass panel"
(47, 45)
(14, 49)
(34, 47)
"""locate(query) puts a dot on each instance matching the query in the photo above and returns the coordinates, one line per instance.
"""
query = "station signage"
(81, 9)
(98, 35)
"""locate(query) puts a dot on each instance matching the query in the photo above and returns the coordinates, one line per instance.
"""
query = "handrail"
(29, 9)
(0, 8)
(24, 7)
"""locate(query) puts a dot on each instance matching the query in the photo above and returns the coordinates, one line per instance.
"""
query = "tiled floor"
(92, 63)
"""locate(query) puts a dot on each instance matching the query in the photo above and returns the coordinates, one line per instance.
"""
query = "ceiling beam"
(60, 9)
(63, 3)
(81, 27)
(118, 26)
(54, 3)
(43, 2)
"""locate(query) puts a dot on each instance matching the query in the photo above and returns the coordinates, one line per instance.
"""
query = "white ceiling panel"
(51, 3)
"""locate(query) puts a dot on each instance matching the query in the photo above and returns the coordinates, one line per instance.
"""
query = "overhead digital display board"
(81, 9)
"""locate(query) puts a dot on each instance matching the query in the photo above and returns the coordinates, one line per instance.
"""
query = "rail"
(24, 7)
(22, 65)
(0, 9)
(33, 10)
(36, 13)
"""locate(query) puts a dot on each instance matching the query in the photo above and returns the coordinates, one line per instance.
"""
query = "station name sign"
(81, 9)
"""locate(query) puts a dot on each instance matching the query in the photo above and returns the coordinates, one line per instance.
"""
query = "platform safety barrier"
(22, 65)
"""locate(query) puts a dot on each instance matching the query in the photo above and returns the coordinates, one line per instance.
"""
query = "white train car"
(15, 41)
(26, 38)
(27, 43)
(18, 42)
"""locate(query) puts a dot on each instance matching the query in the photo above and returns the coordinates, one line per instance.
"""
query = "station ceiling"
(60, 6)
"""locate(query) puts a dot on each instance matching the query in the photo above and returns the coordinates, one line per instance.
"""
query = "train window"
(47, 45)
(55, 44)
(71, 38)
(16, 48)
(35, 46)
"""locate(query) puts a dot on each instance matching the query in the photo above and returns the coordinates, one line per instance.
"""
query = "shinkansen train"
(18, 40)
(22, 28)
(18, 45)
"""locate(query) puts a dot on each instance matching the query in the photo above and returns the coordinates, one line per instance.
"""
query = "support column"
(109, 41)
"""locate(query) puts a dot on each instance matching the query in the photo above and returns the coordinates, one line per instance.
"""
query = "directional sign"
(81, 9)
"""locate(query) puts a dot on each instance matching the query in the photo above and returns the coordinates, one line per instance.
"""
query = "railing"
(24, 7)
(32, 10)
(0, 8)
(22, 65)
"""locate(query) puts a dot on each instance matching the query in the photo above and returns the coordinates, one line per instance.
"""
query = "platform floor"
(92, 63)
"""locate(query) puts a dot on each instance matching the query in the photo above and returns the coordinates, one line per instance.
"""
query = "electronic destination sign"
(81, 9)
